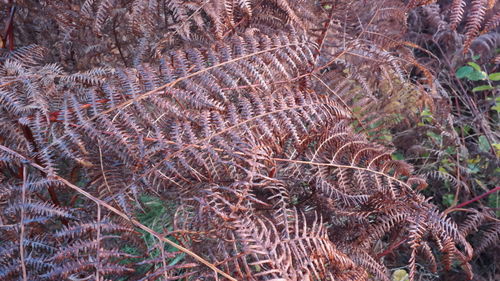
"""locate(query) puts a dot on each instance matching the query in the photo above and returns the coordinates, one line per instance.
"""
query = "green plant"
(157, 215)
(473, 72)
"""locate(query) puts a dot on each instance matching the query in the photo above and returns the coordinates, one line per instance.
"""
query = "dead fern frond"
(236, 114)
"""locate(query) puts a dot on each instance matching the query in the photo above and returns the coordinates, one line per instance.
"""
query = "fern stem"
(477, 198)
(402, 183)
(392, 248)
(21, 235)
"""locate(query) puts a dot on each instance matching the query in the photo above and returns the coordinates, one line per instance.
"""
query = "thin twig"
(477, 198)
(98, 241)
(391, 248)
(9, 29)
(21, 238)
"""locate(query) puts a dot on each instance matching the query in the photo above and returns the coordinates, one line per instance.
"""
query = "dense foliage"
(249, 140)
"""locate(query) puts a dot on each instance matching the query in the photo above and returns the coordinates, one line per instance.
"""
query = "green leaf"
(494, 76)
(448, 199)
(497, 149)
(483, 143)
(476, 57)
(474, 160)
(177, 259)
(450, 150)
(426, 112)
(400, 275)
(426, 115)
(464, 71)
(437, 138)
(477, 75)
(466, 129)
(475, 66)
(397, 156)
(482, 88)
(386, 137)
(473, 168)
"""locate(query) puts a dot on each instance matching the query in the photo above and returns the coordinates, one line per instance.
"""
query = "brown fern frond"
(474, 21)
(429, 255)
(102, 14)
(456, 12)
(490, 237)
(492, 23)
(372, 265)
(483, 228)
